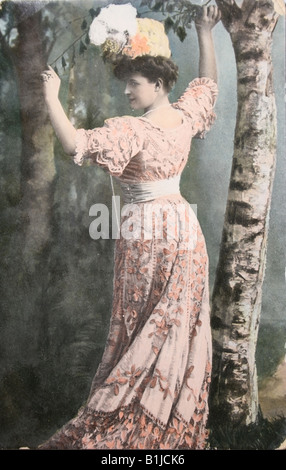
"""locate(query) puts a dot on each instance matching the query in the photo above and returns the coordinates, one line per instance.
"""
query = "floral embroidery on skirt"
(151, 388)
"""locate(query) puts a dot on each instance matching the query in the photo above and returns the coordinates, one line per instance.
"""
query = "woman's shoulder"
(130, 126)
(124, 127)
(125, 121)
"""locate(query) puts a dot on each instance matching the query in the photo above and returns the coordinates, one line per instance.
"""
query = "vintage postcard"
(143, 226)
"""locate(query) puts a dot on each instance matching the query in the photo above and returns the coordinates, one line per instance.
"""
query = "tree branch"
(230, 12)
(247, 4)
(260, 15)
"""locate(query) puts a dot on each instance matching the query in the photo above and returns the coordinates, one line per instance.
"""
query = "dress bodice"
(134, 149)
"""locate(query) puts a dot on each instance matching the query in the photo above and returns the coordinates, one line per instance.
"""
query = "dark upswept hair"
(149, 67)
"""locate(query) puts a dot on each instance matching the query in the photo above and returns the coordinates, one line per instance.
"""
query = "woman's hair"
(149, 67)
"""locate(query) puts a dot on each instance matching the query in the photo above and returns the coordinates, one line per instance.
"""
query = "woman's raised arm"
(64, 129)
(204, 25)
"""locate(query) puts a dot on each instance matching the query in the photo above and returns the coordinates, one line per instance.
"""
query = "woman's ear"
(159, 84)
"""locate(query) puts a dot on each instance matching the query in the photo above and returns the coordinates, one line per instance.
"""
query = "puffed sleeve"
(111, 146)
(197, 104)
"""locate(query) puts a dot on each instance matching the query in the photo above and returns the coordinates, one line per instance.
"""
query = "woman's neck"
(157, 105)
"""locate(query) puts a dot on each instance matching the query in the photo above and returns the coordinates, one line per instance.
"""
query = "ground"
(272, 395)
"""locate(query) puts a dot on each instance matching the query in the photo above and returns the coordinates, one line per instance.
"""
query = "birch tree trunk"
(236, 303)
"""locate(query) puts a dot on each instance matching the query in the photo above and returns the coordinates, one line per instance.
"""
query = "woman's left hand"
(209, 17)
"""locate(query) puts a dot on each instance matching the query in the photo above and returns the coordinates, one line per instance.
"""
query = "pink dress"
(151, 388)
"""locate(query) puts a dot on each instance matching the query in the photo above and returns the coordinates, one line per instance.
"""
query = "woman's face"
(141, 93)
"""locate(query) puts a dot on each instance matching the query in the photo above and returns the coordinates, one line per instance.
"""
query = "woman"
(151, 388)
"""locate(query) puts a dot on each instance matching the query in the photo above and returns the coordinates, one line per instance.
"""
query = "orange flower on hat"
(138, 46)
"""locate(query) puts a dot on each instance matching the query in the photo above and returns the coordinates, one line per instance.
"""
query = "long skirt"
(151, 388)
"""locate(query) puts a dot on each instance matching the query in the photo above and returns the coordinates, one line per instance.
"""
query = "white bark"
(238, 288)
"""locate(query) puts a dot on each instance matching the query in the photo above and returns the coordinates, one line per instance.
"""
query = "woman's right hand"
(208, 18)
(51, 84)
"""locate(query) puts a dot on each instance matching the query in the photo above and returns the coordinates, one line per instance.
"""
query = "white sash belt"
(147, 191)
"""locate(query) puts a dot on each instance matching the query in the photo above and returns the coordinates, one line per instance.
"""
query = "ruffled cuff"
(80, 147)
(205, 81)
(208, 122)
(212, 85)
(197, 102)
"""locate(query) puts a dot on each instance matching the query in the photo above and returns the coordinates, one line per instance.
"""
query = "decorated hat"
(119, 32)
